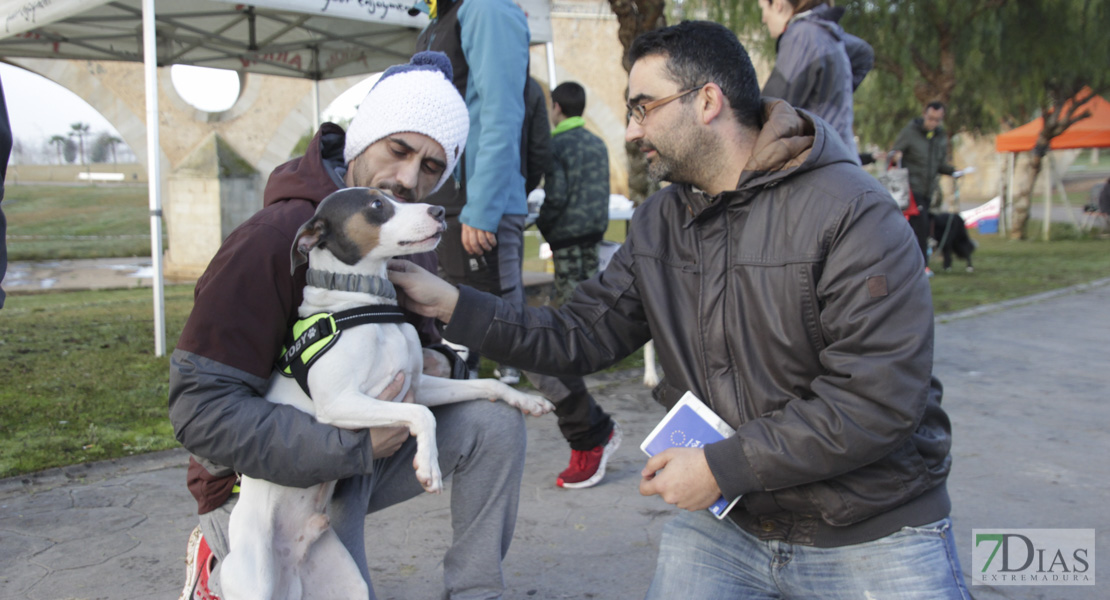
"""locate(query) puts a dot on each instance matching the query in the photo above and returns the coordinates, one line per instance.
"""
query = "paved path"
(1025, 385)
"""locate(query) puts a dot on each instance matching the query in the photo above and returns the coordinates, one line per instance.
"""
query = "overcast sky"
(39, 108)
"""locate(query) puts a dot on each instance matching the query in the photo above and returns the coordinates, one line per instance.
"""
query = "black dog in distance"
(950, 234)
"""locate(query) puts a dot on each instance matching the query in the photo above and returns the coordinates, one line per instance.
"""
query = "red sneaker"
(198, 568)
(587, 467)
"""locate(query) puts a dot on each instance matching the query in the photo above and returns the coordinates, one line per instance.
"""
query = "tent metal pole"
(1010, 193)
(1058, 186)
(154, 173)
(549, 50)
(1047, 196)
(315, 90)
(315, 105)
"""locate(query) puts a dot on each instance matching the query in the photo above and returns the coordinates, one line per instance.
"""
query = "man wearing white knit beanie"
(407, 137)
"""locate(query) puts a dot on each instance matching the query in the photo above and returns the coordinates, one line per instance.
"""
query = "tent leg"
(1009, 212)
(1059, 183)
(549, 50)
(1047, 196)
(154, 175)
(315, 105)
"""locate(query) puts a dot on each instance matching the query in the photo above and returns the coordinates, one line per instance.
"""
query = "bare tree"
(635, 17)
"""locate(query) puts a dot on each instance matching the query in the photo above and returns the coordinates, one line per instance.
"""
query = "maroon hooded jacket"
(245, 303)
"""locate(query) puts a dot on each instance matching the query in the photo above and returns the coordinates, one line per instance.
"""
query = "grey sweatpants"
(481, 445)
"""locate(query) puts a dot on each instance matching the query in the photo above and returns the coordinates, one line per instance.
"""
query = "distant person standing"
(575, 211)
(592, 434)
(483, 247)
(1104, 197)
(5, 151)
(922, 146)
(486, 210)
(818, 64)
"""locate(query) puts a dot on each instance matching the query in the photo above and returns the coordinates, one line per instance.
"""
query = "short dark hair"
(570, 97)
(701, 52)
(935, 105)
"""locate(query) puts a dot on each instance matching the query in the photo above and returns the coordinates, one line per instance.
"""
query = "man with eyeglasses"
(782, 287)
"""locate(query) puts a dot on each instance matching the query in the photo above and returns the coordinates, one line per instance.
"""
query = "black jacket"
(796, 307)
(924, 155)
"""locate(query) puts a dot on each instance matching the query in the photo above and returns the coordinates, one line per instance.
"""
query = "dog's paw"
(429, 476)
(651, 380)
(528, 403)
(970, 269)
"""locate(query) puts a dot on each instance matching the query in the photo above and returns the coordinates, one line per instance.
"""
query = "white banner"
(992, 209)
(375, 11)
(23, 15)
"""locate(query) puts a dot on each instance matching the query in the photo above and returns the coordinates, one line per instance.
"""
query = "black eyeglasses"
(639, 112)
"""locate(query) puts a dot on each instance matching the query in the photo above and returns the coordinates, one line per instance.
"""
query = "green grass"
(54, 222)
(80, 381)
(1007, 269)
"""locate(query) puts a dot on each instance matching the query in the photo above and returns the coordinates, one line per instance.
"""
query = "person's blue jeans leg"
(703, 558)
(914, 563)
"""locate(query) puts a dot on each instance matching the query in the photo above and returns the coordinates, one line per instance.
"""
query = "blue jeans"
(701, 558)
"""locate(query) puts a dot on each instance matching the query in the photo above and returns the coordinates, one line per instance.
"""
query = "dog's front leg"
(436, 391)
(352, 409)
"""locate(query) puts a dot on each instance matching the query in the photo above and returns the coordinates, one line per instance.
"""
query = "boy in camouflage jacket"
(575, 211)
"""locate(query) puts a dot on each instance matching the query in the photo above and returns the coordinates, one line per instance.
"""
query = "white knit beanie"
(416, 97)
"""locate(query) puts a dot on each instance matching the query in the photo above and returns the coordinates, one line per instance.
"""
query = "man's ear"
(711, 102)
(309, 236)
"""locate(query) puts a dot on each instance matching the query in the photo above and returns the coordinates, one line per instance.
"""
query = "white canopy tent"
(313, 39)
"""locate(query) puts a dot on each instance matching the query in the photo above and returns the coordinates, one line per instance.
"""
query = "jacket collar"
(790, 142)
(567, 124)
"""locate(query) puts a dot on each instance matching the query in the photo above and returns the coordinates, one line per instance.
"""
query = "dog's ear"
(309, 236)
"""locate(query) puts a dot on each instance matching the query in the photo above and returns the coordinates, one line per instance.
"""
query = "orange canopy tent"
(1092, 132)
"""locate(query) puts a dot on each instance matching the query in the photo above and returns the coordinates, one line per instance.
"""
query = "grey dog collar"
(352, 282)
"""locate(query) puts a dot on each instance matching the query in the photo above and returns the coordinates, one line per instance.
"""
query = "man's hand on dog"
(387, 440)
(422, 292)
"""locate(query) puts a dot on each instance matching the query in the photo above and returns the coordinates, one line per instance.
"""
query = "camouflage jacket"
(576, 204)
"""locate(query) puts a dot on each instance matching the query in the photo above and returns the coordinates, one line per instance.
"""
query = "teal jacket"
(487, 42)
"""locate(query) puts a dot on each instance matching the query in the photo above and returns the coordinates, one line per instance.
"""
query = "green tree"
(635, 17)
(925, 51)
(59, 143)
(80, 130)
(104, 147)
(69, 151)
(1056, 62)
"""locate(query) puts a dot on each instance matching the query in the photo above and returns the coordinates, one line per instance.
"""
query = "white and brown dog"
(281, 543)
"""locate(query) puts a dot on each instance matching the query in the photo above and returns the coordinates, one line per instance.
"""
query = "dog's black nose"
(437, 212)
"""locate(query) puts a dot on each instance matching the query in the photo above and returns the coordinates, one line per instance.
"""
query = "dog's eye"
(376, 205)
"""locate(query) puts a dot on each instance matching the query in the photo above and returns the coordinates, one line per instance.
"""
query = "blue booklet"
(690, 424)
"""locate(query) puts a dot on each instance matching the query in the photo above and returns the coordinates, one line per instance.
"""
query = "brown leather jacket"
(796, 307)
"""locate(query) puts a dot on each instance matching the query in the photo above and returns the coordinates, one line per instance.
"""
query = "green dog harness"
(313, 336)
